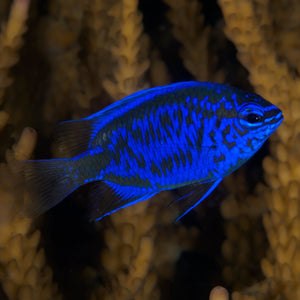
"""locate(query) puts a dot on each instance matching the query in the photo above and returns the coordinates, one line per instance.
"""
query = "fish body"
(186, 135)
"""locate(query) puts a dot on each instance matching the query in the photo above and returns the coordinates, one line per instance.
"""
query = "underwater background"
(67, 59)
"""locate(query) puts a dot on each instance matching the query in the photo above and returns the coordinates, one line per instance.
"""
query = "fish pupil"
(253, 118)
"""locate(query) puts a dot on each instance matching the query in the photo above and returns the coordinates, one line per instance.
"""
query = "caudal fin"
(46, 183)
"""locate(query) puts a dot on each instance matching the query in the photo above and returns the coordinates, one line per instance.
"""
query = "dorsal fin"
(76, 136)
(73, 137)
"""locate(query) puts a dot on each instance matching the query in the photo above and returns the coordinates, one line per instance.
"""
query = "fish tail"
(46, 183)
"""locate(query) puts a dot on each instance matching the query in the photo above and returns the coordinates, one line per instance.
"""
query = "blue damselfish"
(187, 135)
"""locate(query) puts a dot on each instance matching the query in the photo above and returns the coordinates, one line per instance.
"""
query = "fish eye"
(254, 118)
(251, 116)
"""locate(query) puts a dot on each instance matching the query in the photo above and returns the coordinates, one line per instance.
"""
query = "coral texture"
(77, 57)
(132, 240)
(189, 29)
(10, 42)
(129, 51)
(245, 242)
(61, 30)
(249, 26)
(24, 273)
(130, 245)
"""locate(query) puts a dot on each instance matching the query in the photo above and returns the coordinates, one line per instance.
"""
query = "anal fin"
(105, 198)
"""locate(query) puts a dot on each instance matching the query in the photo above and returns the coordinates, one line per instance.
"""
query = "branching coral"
(245, 241)
(159, 74)
(23, 272)
(130, 249)
(97, 41)
(141, 249)
(61, 31)
(129, 241)
(248, 24)
(188, 28)
(286, 27)
(129, 52)
(97, 50)
(10, 42)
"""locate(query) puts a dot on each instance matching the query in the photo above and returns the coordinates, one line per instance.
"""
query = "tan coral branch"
(11, 41)
(189, 29)
(131, 63)
(24, 273)
(274, 80)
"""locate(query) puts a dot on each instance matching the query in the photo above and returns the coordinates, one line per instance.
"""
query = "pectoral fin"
(193, 194)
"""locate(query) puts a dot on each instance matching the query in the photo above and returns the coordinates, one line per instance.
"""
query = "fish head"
(243, 123)
(256, 120)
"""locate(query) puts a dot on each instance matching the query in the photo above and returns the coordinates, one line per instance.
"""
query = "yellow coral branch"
(24, 273)
(98, 24)
(131, 242)
(129, 254)
(190, 31)
(130, 62)
(11, 41)
(276, 82)
(15, 25)
(67, 89)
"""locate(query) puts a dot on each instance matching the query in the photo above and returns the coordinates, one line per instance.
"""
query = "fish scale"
(166, 160)
(188, 136)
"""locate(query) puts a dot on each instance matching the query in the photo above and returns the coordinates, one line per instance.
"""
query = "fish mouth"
(277, 119)
(279, 116)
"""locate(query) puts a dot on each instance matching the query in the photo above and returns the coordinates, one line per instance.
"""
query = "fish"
(186, 136)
